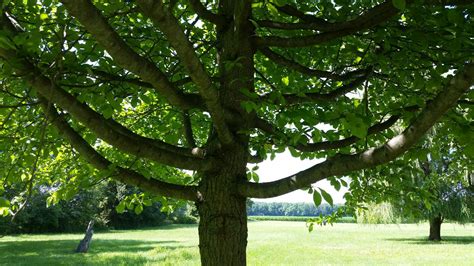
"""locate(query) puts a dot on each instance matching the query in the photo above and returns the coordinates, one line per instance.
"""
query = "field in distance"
(270, 243)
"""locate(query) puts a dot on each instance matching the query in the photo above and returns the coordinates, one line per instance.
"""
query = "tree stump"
(84, 244)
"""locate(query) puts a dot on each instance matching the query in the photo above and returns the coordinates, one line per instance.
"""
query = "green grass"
(270, 243)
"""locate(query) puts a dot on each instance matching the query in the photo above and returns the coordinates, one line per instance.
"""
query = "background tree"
(435, 185)
(290, 209)
(110, 204)
(140, 88)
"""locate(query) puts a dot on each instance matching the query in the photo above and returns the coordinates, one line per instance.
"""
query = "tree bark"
(222, 210)
(223, 214)
(83, 246)
(435, 228)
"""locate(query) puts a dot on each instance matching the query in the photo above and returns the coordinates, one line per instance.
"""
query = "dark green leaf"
(400, 4)
(316, 198)
(327, 197)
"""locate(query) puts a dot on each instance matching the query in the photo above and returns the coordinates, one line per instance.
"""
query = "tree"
(141, 88)
(435, 185)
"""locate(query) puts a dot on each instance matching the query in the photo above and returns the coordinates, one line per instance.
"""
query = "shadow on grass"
(463, 240)
(101, 252)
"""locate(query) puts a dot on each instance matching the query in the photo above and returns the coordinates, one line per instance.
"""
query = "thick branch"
(369, 19)
(329, 145)
(106, 129)
(330, 31)
(168, 24)
(344, 164)
(293, 26)
(337, 144)
(124, 175)
(95, 23)
(203, 13)
(294, 12)
(188, 130)
(106, 76)
(281, 60)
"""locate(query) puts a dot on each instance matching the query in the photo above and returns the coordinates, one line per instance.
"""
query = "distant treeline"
(98, 204)
(289, 209)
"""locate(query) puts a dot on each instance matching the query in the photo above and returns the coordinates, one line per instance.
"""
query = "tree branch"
(168, 24)
(14, 106)
(292, 99)
(281, 60)
(330, 31)
(106, 129)
(337, 144)
(95, 23)
(188, 130)
(334, 144)
(122, 174)
(344, 164)
(205, 14)
(466, 102)
(138, 82)
(294, 12)
(369, 19)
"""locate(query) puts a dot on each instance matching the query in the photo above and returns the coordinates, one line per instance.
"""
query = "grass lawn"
(270, 243)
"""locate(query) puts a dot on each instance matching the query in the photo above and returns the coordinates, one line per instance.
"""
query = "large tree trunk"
(435, 228)
(222, 211)
(223, 215)
(223, 232)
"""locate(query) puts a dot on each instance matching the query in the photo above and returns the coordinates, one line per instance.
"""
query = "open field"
(270, 243)
(296, 218)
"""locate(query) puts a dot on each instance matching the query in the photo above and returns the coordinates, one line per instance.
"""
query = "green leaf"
(327, 197)
(272, 9)
(427, 204)
(147, 202)
(343, 182)
(4, 211)
(335, 183)
(4, 202)
(311, 227)
(120, 208)
(138, 209)
(53, 199)
(6, 43)
(400, 4)
(255, 24)
(317, 198)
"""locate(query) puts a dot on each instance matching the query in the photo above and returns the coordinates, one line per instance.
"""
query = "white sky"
(285, 165)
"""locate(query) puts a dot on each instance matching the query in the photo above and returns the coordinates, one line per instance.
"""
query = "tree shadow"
(101, 252)
(458, 240)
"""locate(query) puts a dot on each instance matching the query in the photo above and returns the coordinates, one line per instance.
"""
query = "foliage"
(436, 183)
(289, 209)
(97, 203)
(382, 213)
(137, 91)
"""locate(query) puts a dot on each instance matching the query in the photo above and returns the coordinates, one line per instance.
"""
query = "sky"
(285, 165)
